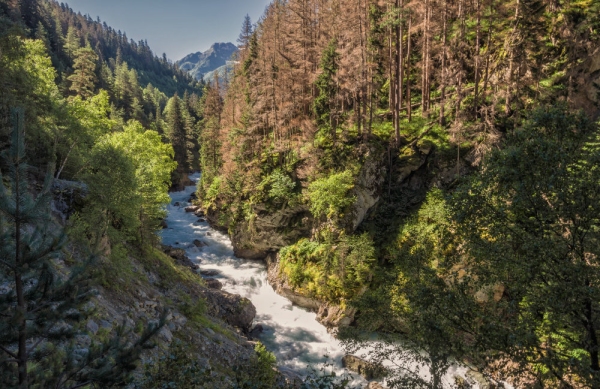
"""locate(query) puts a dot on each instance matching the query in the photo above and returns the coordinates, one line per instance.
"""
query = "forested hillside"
(426, 168)
(94, 131)
(73, 61)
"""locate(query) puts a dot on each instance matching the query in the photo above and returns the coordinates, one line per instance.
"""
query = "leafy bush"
(279, 187)
(328, 196)
(331, 271)
(212, 193)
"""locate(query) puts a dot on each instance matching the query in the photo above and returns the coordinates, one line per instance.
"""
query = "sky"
(175, 27)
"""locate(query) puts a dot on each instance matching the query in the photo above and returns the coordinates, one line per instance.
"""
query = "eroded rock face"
(213, 284)
(270, 231)
(367, 189)
(231, 308)
(366, 369)
(67, 197)
(179, 256)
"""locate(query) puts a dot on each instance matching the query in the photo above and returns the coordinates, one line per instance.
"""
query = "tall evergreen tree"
(176, 132)
(84, 78)
(327, 89)
(72, 42)
(246, 33)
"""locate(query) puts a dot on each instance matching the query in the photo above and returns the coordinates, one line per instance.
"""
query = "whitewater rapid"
(290, 332)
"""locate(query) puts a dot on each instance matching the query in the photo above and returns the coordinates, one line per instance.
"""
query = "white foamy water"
(290, 332)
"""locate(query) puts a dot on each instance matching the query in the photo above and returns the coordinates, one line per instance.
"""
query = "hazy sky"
(175, 27)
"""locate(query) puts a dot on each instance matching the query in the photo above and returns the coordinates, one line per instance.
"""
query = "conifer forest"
(368, 194)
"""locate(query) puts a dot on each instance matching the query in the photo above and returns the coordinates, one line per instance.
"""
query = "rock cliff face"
(417, 169)
(367, 188)
(270, 231)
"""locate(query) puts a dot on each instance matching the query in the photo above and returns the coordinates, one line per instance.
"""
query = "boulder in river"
(179, 256)
(367, 369)
(209, 273)
(233, 309)
(199, 212)
(191, 208)
(256, 331)
(199, 243)
(213, 283)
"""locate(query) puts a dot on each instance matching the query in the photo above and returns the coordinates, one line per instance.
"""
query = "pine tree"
(41, 311)
(176, 132)
(84, 78)
(324, 103)
(72, 42)
(246, 33)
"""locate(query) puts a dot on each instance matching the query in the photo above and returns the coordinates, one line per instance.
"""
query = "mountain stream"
(290, 332)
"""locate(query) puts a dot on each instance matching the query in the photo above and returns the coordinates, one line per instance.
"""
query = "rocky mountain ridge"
(199, 64)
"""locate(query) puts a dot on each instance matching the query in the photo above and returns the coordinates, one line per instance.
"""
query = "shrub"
(329, 197)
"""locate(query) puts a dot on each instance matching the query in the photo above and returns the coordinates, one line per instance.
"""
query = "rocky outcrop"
(367, 188)
(270, 231)
(68, 196)
(235, 310)
(367, 369)
(180, 182)
(179, 256)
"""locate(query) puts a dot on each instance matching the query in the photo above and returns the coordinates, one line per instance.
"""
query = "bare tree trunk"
(477, 59)
(391, 73)
(21, 304)
(423, 58)
(488, 50)
(511, 62)
(408, 53)
(399, 66)
(444, 43)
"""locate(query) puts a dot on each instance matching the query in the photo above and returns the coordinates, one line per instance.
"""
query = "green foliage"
(177, 368)
(113, 202)
(212, 193)
(334, 271)
(323, 104)
(83, 79)
(153, 163)
(328, 196)
(280, 188)
(533, 223)
(264, 373)
(43, 310)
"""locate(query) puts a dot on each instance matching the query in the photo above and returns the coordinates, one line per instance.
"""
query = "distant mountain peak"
(200, 63)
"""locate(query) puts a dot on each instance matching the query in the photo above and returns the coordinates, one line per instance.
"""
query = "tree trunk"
(425, 67)
(408, 53)
(21, 304)
(511, 62)
(477, 59)
(444, 43)
(399, 66)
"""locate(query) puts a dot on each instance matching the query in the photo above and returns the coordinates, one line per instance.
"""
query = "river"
(290, 332)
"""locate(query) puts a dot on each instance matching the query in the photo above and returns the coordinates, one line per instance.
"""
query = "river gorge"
(292, 333)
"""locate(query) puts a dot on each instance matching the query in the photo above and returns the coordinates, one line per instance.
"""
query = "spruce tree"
(42, 311)
(84, 78)
(176, 131)
(72, 42)
(246, 33)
